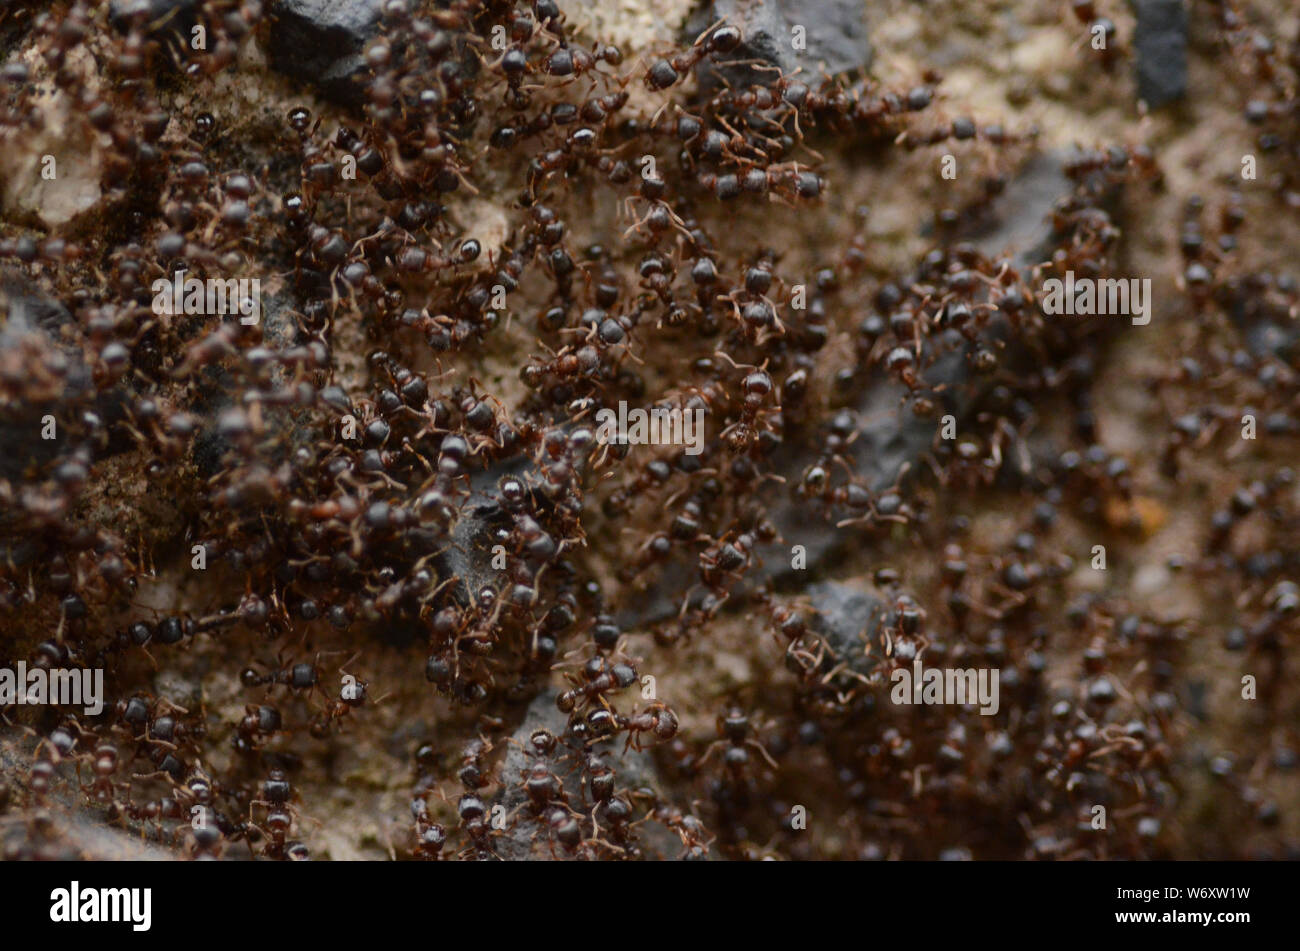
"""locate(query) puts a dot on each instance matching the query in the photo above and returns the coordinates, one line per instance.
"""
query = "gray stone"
(322, 42)
(1019, 223)
(847, 617)
(527, 836)
(74, 831)
(835, 37)
(1160, 41)
(468, 555)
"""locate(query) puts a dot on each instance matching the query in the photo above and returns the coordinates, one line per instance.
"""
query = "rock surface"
(1161, 46)
(846, 617)
(527, 836)
(322, 42)
(833, 38)
(64, 834)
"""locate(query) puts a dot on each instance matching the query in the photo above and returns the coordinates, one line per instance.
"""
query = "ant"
(656, 719)
(734, 728)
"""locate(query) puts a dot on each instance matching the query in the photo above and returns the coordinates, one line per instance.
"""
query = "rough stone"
(834, 34)
(73, 832)
(846, 616)
(468, 555)
(526, 836)
(322, 42)
(1161, 47)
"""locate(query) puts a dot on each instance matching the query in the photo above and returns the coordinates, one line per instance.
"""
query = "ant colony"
(670, 436)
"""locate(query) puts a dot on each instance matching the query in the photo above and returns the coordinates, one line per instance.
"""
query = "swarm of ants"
(378, 524)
